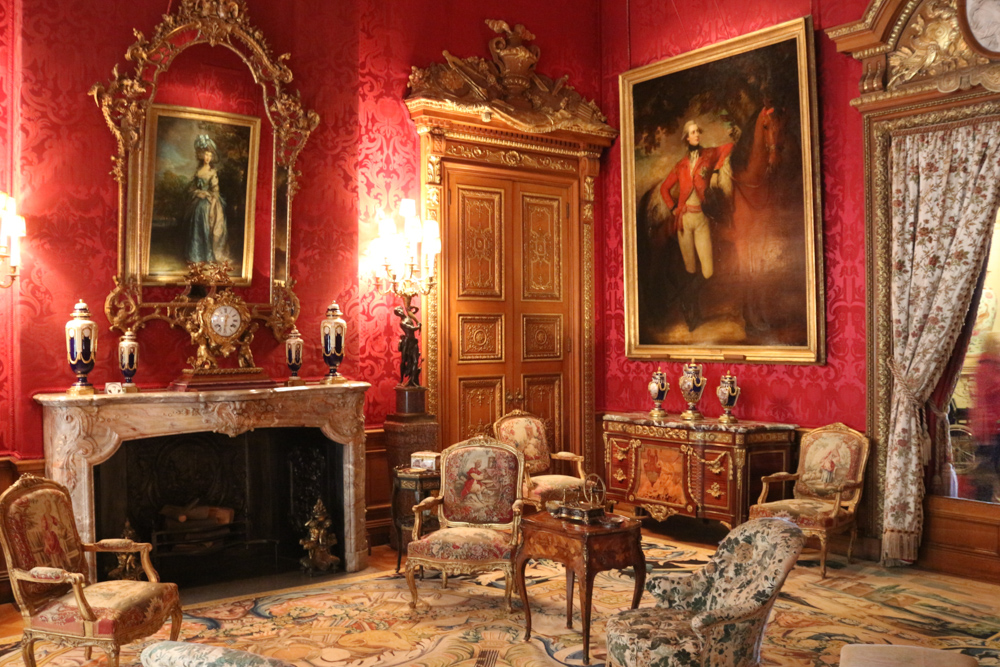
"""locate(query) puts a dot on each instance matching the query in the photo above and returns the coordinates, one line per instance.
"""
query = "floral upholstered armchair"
(48, 573)
(479, 513)
(827, 486)
(714, 616)
(528, 433)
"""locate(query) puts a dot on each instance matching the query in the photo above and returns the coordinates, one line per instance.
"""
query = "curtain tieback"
(904, 386)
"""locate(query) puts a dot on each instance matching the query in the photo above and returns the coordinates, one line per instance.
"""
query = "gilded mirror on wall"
(208, 134)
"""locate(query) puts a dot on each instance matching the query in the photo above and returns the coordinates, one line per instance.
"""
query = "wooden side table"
(418, 482)
(585, 550)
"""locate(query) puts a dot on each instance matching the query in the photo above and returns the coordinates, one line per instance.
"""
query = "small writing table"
(417, 481)
(613, 543)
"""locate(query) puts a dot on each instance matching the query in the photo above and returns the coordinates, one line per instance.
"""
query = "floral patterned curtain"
(945, 192)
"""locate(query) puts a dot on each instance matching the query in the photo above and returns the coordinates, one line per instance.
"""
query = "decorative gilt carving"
(125, 102)
(480, 400)
(508, 88)
(660, 512)
(715, 491)
(541, 239)
(588, 213)
(588, 188)
(510, 158)
(542, 336)
(932, 46)
(434, 169)
(480, 337)
(481, 243)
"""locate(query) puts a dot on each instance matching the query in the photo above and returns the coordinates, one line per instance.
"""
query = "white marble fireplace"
(83, 431)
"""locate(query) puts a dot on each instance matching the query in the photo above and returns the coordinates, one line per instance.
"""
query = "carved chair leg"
(28, 650)
(88, 652)
(112, 653)
(412, 583)
(176, 617)
(508, 587)
(850, 545)
(444, 579)
(822, 556)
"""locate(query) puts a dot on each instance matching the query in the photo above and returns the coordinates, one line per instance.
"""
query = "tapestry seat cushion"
(653, 637)
(120, 607)
(463, 543)
(186, 654)
(806, 512)
(553, 487)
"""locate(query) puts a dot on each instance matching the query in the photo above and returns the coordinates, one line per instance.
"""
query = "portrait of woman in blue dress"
(206, 214)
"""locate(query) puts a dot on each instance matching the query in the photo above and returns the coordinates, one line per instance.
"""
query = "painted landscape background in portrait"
(760, 297)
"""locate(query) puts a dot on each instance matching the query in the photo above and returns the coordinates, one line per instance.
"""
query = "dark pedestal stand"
(410, 429)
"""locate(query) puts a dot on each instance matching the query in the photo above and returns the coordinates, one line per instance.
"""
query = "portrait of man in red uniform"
(722, 219)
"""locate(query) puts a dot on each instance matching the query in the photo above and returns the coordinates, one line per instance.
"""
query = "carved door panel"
(507, 302)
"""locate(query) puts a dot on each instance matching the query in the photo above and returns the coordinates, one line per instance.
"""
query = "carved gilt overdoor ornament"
(125, 102)
(507, 87)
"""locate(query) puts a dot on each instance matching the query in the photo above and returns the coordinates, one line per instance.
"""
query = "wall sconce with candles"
(406, 268)
(12, 230)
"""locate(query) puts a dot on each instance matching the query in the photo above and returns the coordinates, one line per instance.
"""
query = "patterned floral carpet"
(365, 620)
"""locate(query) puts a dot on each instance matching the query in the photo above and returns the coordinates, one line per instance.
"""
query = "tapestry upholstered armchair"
(48, 574)
(827, 486)
(479, 511)
(528, 433)
(714, 616)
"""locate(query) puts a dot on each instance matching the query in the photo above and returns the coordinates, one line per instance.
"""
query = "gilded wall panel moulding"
(541, 248)
(481, 243)
(480, 337)
(543, 336)
(507, 87)
(510, 158)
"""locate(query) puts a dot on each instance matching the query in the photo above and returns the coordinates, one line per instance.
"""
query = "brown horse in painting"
(753, 203)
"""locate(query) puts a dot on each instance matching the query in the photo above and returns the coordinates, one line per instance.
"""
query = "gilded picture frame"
(199, 199)
(721, 203)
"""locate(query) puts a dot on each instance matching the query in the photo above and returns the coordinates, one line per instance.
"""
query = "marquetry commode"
(700, 469)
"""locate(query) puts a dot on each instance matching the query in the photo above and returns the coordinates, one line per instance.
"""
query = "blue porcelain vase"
(728, 392)
(658, 388)
(333, 330)
(293, 356)
(81, 348)
(691, 384)
(128, 360)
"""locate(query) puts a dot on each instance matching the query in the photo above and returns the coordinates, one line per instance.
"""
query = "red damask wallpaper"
(646, 31)
(351, 62)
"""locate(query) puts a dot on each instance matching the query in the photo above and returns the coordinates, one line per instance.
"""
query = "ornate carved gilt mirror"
(208, 135)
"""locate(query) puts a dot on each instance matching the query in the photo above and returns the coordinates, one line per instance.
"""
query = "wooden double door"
(510, 304)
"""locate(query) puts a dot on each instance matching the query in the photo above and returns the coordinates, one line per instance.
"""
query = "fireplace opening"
(245, 501)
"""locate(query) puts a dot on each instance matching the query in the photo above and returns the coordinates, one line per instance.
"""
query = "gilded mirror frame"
(125, 103)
